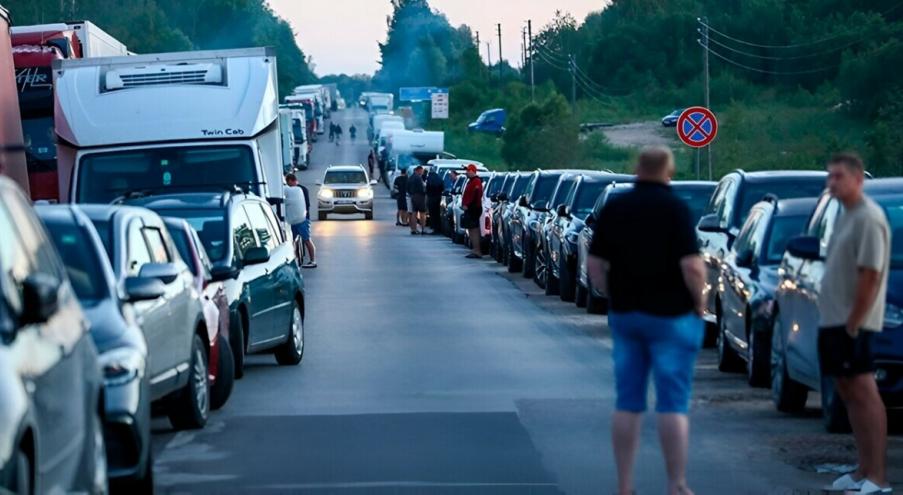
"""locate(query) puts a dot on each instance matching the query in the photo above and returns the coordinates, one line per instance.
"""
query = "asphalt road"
(425, 372)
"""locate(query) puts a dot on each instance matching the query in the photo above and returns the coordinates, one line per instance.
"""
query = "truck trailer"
(12, 149)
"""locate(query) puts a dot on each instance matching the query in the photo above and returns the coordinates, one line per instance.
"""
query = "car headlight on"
(365, 193)
(893, 316)
(121, 365)
(326, 193)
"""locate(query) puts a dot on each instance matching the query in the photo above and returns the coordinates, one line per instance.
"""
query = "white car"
(460, 233)
(345, 189)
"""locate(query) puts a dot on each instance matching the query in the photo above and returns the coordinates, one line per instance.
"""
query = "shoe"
(414, 232)
(309, 264)
(845, 483)
(868, 486)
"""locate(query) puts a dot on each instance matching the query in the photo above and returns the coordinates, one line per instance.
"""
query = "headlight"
(326, 194)
(365, 193)
(893, 316)
(121, 365)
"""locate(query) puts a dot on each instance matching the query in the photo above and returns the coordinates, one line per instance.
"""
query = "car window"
(210, 226)
(695, 199)
(206, 265)
(893, 208)
(826, 225)
(562, 192)
(14, 263)
(181, 240)
(353, 177)
(717, 197)
(157, 244)
(782, 230)
(784, 189)
(80, 259)
(260, 226)
(817, 212)
(744, 240)
(278, 235)
(137, 251)
(242, 233)
(41, 249)
(726, 208)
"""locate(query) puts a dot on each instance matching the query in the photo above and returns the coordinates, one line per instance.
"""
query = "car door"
(714, 245)
(56, 360)
(283, 270)
(737, 280)
(258, 283)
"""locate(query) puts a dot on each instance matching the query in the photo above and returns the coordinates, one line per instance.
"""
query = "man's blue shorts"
(666, 346)
(302, 230)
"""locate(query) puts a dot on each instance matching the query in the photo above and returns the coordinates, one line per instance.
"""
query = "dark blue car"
(794, 355)
(670, 120)
(490, 122)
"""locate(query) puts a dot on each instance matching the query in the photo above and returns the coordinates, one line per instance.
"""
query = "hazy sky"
(341, 35)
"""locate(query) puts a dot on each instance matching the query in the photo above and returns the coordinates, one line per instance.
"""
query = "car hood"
(109, 329)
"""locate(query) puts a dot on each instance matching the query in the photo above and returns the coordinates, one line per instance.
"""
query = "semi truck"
(326, 96)
(169, 122)
(12, 150)
(35, 48)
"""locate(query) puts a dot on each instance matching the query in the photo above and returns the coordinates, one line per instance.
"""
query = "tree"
(542, 135)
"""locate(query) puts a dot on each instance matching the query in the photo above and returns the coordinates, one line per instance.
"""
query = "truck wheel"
(191, 405)
(292, 351)
(225, 377)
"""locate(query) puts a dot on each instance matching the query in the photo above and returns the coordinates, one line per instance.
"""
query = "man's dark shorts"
(418, 203)
(845, 356)
(401, 202)
(469, 221)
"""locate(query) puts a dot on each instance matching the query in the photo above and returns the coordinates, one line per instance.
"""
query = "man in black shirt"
(645, 256)
(417, 194)
(400, 191)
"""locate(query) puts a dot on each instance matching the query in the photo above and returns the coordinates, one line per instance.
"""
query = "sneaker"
(309, 264)
(845, 483)
(868, 486)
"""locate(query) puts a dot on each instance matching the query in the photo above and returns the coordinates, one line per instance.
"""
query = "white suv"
(345, 189)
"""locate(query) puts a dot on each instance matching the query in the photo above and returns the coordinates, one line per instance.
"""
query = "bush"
(542, 135)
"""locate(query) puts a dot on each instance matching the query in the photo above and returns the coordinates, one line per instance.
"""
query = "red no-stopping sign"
(697, 127)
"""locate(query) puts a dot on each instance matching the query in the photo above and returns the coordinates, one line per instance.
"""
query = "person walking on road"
(297, 214)
(331, 132)
(656, 327)
(400, 190)
(371, 162)
(338, 134)
(417, 194)
(472, 204)
(434, 188)
(851, 307)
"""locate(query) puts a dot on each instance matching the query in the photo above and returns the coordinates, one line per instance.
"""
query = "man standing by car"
(417, 193)
(472, 204)
(434, 188)
(851, 308)
(297, 214)
(645, 257)
(400, 191)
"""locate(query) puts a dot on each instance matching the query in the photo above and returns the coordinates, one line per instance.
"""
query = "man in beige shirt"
(851, 308)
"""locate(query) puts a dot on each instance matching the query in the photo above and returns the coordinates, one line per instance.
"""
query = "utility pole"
(705, 64)
(532, 79)
(523, 32)
(573, 66)
(489, 59)
(500, 51)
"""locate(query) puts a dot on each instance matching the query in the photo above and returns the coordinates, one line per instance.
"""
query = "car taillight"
(487, 223)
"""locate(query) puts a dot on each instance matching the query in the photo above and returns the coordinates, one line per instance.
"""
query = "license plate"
(345, 201)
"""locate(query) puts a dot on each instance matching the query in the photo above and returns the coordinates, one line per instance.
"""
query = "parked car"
(502, 218)
(345, 189)
(447, 206)
(490, 122)
(750, 275)
(542, 272)
(670, 120)
(153, 278)
(459, 233)
(490, 199)
(51, 436)
(221, 365)
(496, 203)
(794, 353)
(254, 258)
(120, 343)
(727, 210)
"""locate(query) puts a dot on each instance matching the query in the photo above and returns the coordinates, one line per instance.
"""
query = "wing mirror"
(805, 247)
(502, 197)
(319, 183)
(256, 256)
(40, 298)
(711, 223)
(223, 273)
(164, 272)
(744, 259)
(143, 289)
(541, 206)
(522, 201)
(494, 197)
(563, 211)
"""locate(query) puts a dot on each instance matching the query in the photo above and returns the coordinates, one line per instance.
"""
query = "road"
(425, 372)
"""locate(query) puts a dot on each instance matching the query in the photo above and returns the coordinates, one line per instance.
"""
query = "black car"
(523, 225)
(502, 219)
(726, 212)
(750, 276)
(542, 271)
(794, 353)
(51, 436)
(255, 259)
(501, 203)
(120, 343)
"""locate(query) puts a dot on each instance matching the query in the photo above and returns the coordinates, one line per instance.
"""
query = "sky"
(342, 35)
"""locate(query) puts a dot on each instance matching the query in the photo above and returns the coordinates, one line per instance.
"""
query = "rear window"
(81, 260)
(211, 228)
(787, 189)
(352, 177)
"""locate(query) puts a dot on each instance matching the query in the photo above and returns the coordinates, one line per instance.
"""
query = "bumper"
(350, 207)
(126, 429)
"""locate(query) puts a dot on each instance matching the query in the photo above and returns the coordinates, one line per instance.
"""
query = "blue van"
(490, 121)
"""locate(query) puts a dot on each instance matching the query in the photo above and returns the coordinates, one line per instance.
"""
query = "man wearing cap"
(472, 204)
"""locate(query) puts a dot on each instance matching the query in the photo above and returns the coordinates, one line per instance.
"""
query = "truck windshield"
(104, 177)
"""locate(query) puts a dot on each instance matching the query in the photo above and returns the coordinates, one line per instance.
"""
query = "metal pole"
(489, 59)
(572, 64)
(523, 33)
(500, 51)
(532, 78)
(705, 63)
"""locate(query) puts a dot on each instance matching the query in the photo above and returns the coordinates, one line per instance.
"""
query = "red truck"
(12, 156)
(34, 49)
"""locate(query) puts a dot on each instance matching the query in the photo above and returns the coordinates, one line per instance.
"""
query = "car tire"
(540, 269)
(758, 366)
(580, 296)
(191, 405)
(321, 216)
(292, 351)
(566, 286)
(22, 479)
(225, 376)
(834, 411)
(787, 394)
(595, 305)
(368, 216)
(529, 261)
(237, 344)
(552, 283)
(143, 484)
(514, 263)
(728, 360)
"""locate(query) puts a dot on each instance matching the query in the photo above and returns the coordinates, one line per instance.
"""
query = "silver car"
(345, 189)
(161, 291)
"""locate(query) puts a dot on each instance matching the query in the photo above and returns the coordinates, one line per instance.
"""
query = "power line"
(551, 62)
(796, 57)
(764, 71)
(602, 88)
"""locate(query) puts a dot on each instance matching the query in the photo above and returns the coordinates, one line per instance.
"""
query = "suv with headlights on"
(345, 189)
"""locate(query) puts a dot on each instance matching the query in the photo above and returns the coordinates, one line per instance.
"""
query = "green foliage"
(151, 26)
(542, 135)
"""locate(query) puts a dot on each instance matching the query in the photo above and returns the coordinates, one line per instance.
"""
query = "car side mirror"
(494, 197)
(256, 256)
(143, 289)
(164, 272)
(40, 298)
(319, 183)
(541, 206)
(522, 201)
(711, 223)
(590, 220)
(502, 197)
(744, 259)
(223, 273)
(563, 211)
(805, 247)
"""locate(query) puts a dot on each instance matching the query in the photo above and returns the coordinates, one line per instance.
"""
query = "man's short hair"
(654, 159)
(290, 177)
(418, 167)
(849, 159)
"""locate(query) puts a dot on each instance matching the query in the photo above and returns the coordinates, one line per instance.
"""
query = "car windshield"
(586, 198)
(459, 184)
(82, 263)
(695, 198)
(351, 177)
(797, 187)
(545, 186)
(562, 192)
(495, 185)
(210, 226)
(782, 230)
(103, 177)
(520, 186)
(893, 206)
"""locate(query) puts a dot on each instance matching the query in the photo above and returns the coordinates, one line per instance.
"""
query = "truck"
(303, 147)
(313, 100)
(379, 103)
(377, 123)
(287, 139)
(326, 96)
(12, 149)
(35, 48)
(417, 147)
(169, 122)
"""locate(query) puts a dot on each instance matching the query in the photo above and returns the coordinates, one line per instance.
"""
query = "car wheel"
(458, 238)
(728, 361)
(553, 284)
(514, 263)
(292, 351)
(225, 378)
(787, 394)
(758, 367)
(566, 286)
(580, 296)
(529, 261)
(321, 216)
(192, 404)
(541, 269)
(237, 344)
(368, 216)
(834, 411)
(594, 304)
